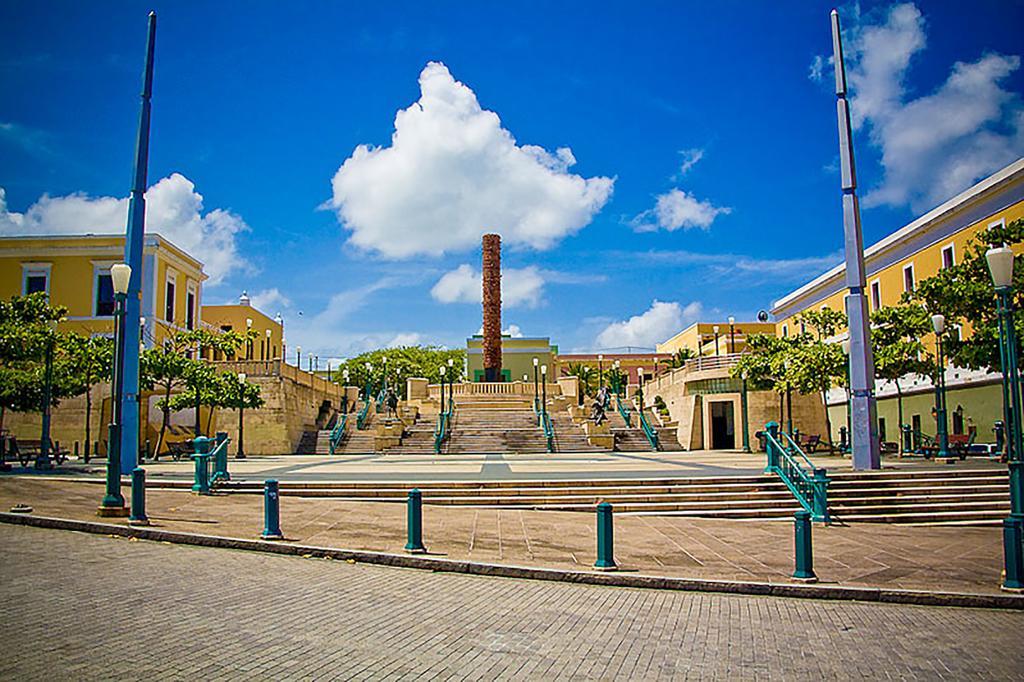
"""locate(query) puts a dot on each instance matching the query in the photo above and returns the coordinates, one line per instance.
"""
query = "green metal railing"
(549, 430)
(363, 413)
(443, 430)
(219, 459)
(338, 432)
(623, 408)
(652, 435)
(807, 483)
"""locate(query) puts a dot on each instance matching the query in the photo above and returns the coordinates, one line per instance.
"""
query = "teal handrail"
(807, 483)
(361, 417)
(380, 398)
(218, 459)
(623, 410)
(652, 435)
(443, 430)
(338, 432)
(549, 430)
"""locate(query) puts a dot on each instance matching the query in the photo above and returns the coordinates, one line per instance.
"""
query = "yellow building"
(75, 272)
(715, 338)
(894, 265)
(240, 317)
(517, 356)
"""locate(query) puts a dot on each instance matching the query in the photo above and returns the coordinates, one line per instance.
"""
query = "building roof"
(1013, 173)
(152, 240)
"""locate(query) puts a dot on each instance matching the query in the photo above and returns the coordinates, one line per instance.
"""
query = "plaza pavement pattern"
(93, 607)
(948, 559)
(497, 466)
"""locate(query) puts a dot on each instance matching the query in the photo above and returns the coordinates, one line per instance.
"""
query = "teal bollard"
(820, 497)
(220, 459)
(1013, 554)
(605, 539)
(804, 556)
(414, 525)
(201, 481)
(271, 511)
(138, 516)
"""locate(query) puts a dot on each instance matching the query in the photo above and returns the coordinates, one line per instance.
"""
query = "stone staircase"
(495, 423)
(354, 441)
(934, 496)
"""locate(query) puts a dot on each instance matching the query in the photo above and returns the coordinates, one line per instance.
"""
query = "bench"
(809, 443)
(27, 450)
(180, 449)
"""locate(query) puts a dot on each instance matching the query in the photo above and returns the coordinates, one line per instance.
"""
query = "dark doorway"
(723, 431)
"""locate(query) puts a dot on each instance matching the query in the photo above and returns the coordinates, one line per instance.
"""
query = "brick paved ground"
(91, 607)
(959, 559)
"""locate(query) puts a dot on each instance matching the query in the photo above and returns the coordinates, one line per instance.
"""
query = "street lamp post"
(544, 388)
(441, 372)
(451, 383)
(845, 345)
(600, 371)
(715, 330)
(298, 357)
(732, 334)
(248, 338)
(536, 393)
(266, 347)
(1000, 265)
(344, 391)
(113, 501)
(369, 380)
(385, 384)
(941, 433)
(43, 458)
(241, 421)
(789, 399)
(746, 418)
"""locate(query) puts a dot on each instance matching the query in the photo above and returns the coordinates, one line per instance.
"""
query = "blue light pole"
(133, 245)
(1000, 265)
(113, 501)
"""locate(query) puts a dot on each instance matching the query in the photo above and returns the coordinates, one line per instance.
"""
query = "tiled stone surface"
(91, 607)
(961, 559)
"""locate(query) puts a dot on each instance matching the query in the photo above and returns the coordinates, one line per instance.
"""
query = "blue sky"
(701, 180)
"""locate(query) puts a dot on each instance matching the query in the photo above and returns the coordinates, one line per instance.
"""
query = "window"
(190, 308)
(104, 294)
(35, 278)
(876, 295)
(785, 331)
(169, 299)
(908, 279)
(997, 223)
(948, 257)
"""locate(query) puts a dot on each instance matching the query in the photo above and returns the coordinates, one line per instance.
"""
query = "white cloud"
(404, 339)
(173, 209)
(816, 72)
(938, 144)
(661, 321)
(513, 331)
(464, 284)
(453, 173)
(269, 298)
(678, 209)
(690, 159)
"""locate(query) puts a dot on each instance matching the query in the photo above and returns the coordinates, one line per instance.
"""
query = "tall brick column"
(492, 307)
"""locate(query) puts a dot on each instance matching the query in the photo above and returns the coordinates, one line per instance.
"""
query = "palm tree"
(586, 375)
(679, 358)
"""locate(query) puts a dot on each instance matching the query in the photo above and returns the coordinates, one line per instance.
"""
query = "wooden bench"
(27, 450)
(180, 449)
(809, 443)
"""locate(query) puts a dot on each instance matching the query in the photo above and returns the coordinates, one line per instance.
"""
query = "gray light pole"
(864, 411)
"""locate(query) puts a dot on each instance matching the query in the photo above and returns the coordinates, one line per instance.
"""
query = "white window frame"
(98, 270)
(997, 223)
(191, 288)
(951, 248)
(873, 286)
(913, 279)
(170, 278)
(34, 270)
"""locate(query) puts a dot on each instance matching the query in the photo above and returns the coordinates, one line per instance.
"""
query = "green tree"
(219, 390)
(679, 358)
(403, 362)
(89, 361)
(896, 342)
(27, 329)
(587, 376)
(964, 294)
(817, 364)
(765, 365)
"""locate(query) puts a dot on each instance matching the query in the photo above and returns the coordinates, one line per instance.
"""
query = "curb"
(867, 594)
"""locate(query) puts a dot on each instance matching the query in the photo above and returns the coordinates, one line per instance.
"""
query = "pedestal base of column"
(112, 512)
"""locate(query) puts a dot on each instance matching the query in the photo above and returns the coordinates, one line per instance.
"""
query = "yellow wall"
(926, 263)
(73, 262)
(700, 337)
(234, 317)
